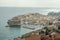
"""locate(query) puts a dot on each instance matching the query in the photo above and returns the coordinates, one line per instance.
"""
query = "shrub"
(57, 39)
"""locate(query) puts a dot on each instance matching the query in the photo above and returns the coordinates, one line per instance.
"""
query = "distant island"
(57, 14)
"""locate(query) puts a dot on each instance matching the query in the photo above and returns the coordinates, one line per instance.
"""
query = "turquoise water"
(8, 33)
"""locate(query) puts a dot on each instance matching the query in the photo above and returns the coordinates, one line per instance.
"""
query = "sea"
(6, 13)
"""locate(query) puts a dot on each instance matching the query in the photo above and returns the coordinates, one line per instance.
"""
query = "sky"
(30, 3)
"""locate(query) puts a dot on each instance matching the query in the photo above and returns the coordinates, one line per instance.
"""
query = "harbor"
(18, 25)
(42, 26)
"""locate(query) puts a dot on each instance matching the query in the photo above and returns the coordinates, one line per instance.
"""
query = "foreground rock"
(39, 35)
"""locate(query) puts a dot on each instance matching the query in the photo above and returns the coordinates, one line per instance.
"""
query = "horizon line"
(31, 7)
